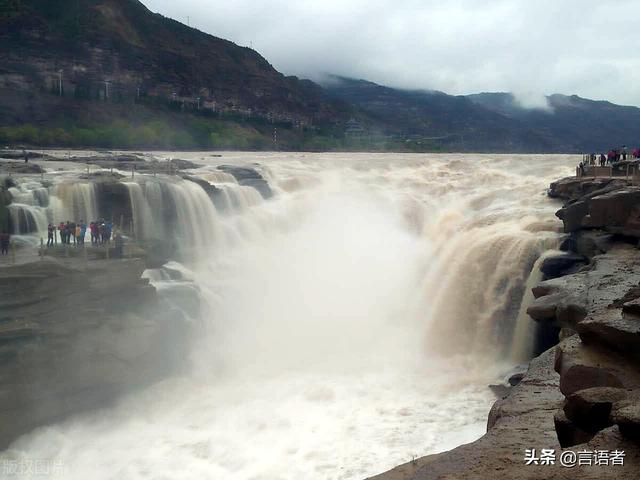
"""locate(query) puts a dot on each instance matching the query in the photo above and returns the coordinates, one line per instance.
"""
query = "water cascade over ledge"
(348, 323)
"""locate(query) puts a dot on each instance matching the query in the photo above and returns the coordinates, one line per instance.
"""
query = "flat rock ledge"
(584, 393)
(76, 333)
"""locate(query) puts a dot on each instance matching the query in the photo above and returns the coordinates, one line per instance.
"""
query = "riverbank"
(582, 395)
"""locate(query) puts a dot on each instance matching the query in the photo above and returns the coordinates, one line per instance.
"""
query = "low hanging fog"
(530, 48)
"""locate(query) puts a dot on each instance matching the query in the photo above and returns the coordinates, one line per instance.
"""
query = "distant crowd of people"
(75, 233)
(100, 230)
(613, 156)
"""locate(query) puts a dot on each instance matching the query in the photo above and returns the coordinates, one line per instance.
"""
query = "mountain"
(492, 121)
(579, 124)
(69, 63)
(113, 74)
(142, 53)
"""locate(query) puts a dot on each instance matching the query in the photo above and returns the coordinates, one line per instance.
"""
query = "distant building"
(353, 128)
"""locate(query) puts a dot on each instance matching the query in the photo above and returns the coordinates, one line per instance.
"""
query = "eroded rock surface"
(75, 334)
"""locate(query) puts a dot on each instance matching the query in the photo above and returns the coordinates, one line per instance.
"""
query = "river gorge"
(340, 314)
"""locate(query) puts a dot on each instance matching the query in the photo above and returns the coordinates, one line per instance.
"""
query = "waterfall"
(476, 288)
(197, 218)
(143, 221)
(28, 209)
(525, 329)
(352, 320)
(73, 201)
(173, 209)
(237, 198)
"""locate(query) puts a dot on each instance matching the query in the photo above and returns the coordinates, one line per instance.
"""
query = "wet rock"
(616, 211)
(568, 433)
(515, 379)
(590, 409)
(215, 194)
(573, 214)
(249, 177)
(588, 243)
(626, 415)
(559, 265)
(613, 208)
(184, 164)
(558, 307)
(578, 377)
(618, 330)
(570, 188)
(20, 167)
(499, 390)
(583, 366)
(543, 309)
(103, 176)
(19, 155)
(632, 306)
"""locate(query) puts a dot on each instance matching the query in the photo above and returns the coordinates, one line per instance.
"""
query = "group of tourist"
(100, 231)
(612, 157)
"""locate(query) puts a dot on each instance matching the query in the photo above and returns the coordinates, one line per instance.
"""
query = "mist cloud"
(583, 47)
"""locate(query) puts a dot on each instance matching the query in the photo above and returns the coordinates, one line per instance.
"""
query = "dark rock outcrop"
(559, 265)
(615, 208)
(571, 188)
(20, 167)
(588, 243)
(19, 155)
(590, 409)
(626, 415)
(215, 194)
(568, 433)
(249, 177)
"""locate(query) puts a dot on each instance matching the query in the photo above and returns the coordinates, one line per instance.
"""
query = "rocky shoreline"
(582, 395)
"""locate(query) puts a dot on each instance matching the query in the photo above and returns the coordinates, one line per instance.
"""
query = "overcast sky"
(530, 47)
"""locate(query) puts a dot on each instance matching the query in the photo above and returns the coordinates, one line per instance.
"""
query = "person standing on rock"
(119, 241)
(83, 231)
(25, 156)
(5, 240)
(50, 231)
(109, 230)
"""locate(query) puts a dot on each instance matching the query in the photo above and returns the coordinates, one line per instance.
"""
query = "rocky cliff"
(583, 395)
(116, 50)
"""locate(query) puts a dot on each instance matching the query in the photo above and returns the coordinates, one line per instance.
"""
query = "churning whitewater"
(349, 323)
